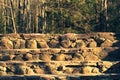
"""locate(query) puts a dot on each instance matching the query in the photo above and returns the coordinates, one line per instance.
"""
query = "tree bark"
(12, 16)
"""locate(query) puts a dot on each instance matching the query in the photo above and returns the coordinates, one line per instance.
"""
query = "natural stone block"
(76, 71)
(107, 43)
(25, 36)
(68, 57)
(3, 69)
(3, 64)
(78, 57)
(28, 56)
(19, 57)
(22, 44)
(29, 71)
(54, 43)
(73, 44)
(60, 57)
(92, 43)
(19, 44)
(6, 43)
(70, 36)
(32, 44)
(35, 56)
(109, 36)
(45, 56)
(91, 57)
(16, 44)
(86, 70)
(68, 71)
(103, 69)
(2, 73)
(55, 50)
(84, 52)
(65, 43)
(42, 44)
(80, 44)
(95, 70)
(39, 71)
(13, 36)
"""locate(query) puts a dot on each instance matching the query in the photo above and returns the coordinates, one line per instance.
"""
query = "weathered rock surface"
(42, 44)
(70, 40)
(6, 43)
(107, 43)
(65, 43)
(93, 56)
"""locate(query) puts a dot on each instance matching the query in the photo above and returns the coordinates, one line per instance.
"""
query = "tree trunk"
(3, 16)
(36, 15)
(12, 16)
(43, 16)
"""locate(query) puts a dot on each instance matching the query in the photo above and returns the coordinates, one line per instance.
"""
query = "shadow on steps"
(113, 55)
(114, 69)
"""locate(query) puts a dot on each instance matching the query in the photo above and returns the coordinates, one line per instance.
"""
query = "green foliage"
(62, 16)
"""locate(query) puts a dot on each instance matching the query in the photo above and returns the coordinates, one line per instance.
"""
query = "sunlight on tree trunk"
(36, 15)
(56, 16)
(12, 16)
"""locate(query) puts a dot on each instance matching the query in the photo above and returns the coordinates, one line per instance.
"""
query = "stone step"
(58, 67)
(107, 35)
(63, 77)
(70, 40)
(61, 54)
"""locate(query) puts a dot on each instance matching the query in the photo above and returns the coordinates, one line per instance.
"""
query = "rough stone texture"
(54, 43)
(107, 43)
(78, 54)
(70, 36)
(80, 44)
(19, 44)
(39, 71)
(22, 44)
(92, 43)
(16, 44)
(91, 57)
(29, 71)
(32, 44)
(70, 40)
(95, 70)
(78, 57)
(65, 43)
(45, 56)
(86, 70)
(18, 57)
(60, 56)
(28, 56)
(42, 44)
(6, 43)
(66, 67)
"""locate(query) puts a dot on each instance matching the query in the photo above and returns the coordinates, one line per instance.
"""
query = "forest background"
(59, 16)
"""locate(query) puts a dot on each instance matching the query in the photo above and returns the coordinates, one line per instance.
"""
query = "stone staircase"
(94, 56)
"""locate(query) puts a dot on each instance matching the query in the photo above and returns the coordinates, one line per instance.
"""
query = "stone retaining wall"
(61, 56)
(79, 54)
(70, 40)
(55, 68)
